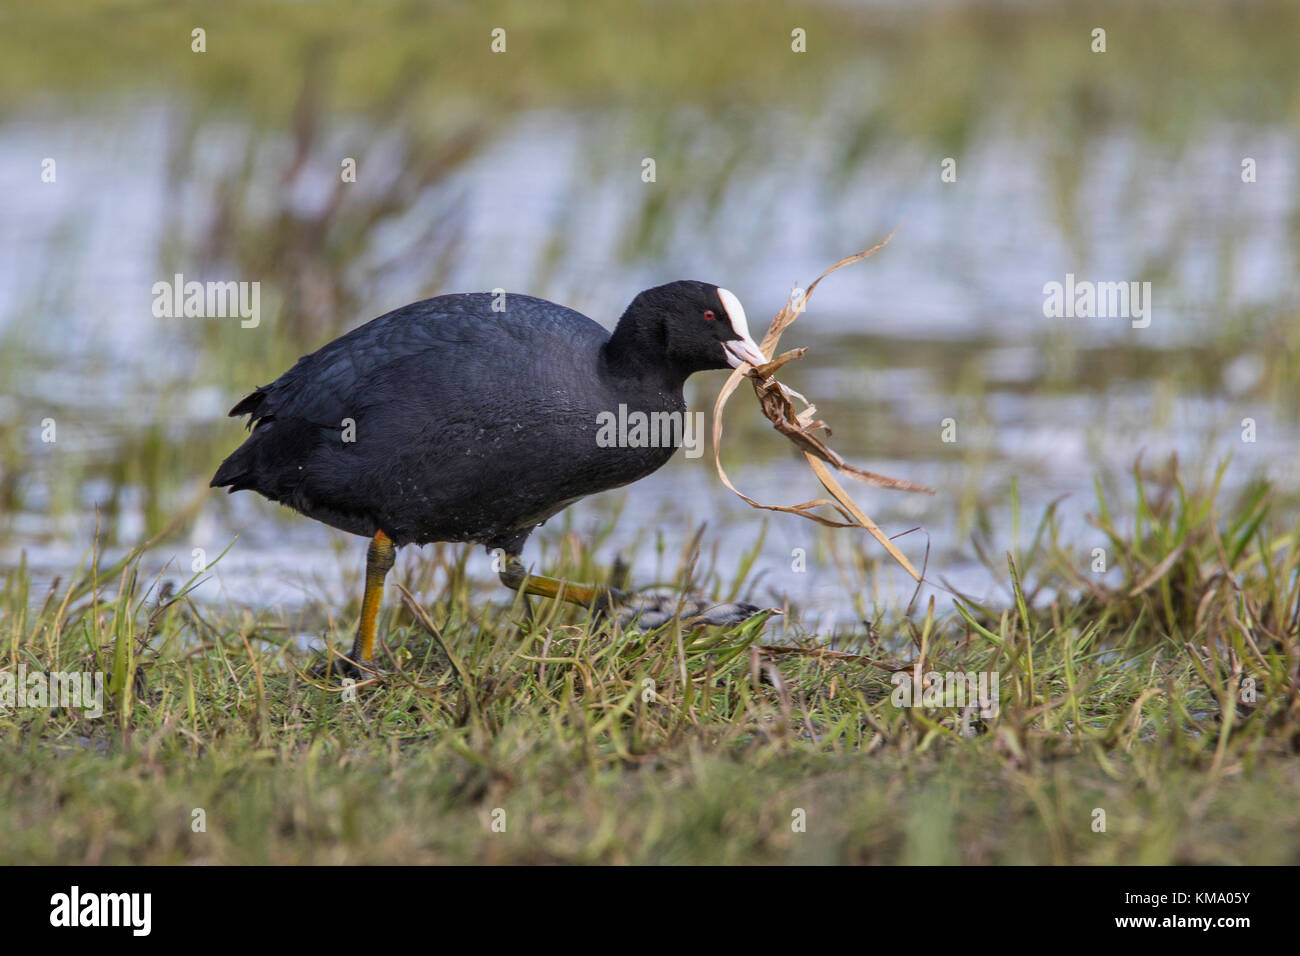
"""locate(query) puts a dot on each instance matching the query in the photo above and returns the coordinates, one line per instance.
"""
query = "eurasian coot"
(476, 417)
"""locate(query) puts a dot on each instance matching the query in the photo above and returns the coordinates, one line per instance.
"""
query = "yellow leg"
(379, 560)
(649, 609)
(515, 576)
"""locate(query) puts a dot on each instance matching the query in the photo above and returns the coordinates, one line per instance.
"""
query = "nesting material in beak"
(776, 402)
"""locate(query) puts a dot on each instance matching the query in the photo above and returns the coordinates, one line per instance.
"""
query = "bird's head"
(687, 326)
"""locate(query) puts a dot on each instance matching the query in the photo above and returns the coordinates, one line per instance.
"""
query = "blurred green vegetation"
(1168, 64)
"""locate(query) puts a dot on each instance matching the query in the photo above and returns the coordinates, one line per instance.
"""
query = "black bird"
(476, 417)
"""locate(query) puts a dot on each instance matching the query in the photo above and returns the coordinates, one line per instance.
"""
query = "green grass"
(1120, 693)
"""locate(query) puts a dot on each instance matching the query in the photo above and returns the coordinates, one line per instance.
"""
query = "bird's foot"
(655, 607)
(345, 668)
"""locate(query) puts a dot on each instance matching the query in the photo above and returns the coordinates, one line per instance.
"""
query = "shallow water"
(945, 323)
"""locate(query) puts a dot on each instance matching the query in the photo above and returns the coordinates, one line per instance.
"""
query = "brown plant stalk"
(775, 400)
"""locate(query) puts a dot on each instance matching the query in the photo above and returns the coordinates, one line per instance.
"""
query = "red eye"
(708, 314)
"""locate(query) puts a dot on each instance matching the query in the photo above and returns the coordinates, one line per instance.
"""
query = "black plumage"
(469, 423)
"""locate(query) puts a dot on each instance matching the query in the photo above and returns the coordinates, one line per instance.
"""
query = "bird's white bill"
(743, 349)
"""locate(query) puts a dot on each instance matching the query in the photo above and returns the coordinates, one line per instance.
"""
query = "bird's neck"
(638, 351)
